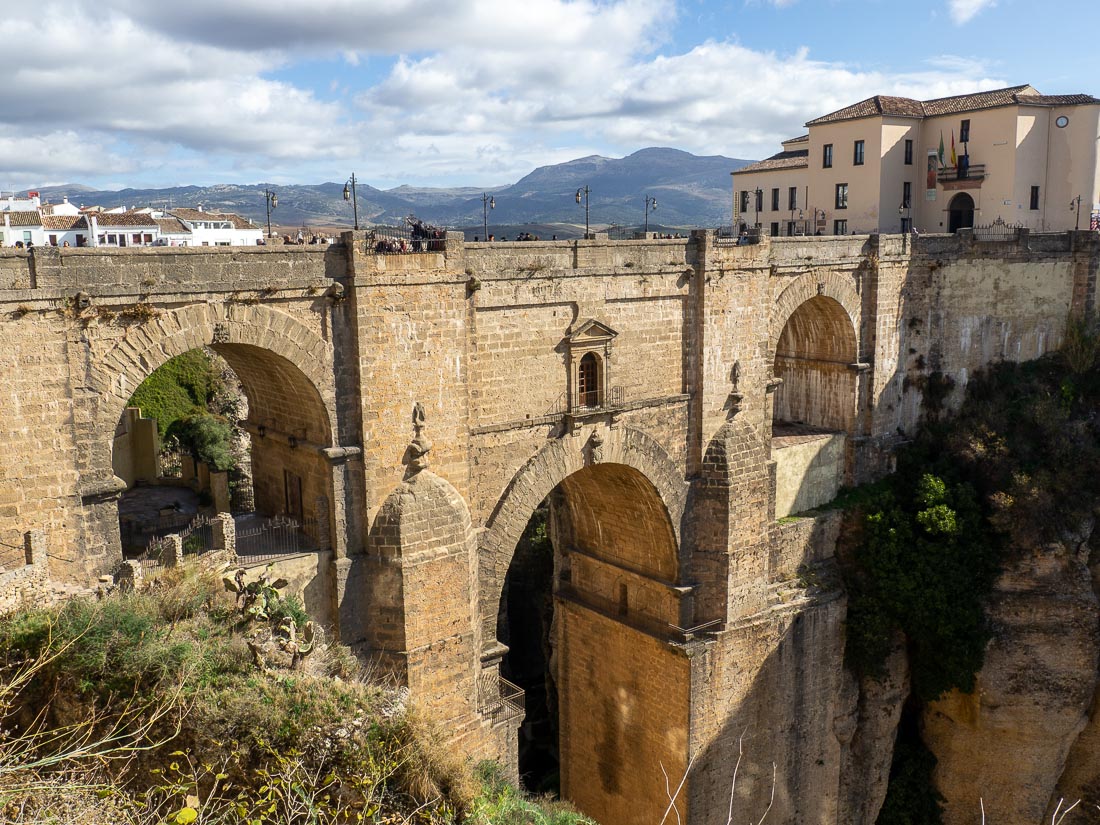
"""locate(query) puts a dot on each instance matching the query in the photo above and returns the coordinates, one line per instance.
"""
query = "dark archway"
(589, 593)
(960, 212)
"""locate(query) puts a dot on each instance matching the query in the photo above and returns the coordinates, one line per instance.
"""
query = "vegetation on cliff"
(177, 705)
(1015, 469)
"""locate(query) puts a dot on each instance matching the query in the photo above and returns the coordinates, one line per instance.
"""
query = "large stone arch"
(805, 288)
(116, 374)
(550, 466)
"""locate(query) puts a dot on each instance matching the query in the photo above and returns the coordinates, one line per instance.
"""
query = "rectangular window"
(841, 196)
(907, 194)
(26, 237)
(792, 197)
(908, 153)
(964, 132)
(112, 240)
(774, 229)
(857, 154)
(744, 201)
(148, 237)
(1034, 197)
(53, 240)
(827, 156)
(840, 227)
(775, 199)
(759, 200)
(790, 228)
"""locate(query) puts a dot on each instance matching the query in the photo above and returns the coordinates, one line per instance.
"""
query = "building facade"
(889, 164)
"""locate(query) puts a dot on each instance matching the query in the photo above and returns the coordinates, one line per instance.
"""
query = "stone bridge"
(667, 400)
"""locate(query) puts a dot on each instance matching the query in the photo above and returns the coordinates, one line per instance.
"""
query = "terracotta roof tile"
(64, 222)
(125, 219)
(872, 107)
(192, 215)
(1057, 100)
(23, 218)
(972, 102)
(172, 226)
(797, 159)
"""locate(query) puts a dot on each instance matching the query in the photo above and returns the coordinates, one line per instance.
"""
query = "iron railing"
(261, 539)
(413, 236)
(196, 537)
(498, 698)
(997, 231)
(735, 236)
(588, 402)
(975, 171)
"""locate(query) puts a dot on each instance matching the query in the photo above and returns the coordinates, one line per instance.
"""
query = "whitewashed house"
(72, 230)
(217, 228)
(21, 227)
(123, 229)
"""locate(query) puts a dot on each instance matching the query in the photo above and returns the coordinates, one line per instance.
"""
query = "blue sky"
(115, 93)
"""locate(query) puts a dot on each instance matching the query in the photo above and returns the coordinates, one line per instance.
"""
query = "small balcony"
(952, 174)
(588, 402)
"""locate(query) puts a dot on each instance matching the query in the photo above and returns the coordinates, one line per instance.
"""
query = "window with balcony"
(827, 156)
(588, 380)
(908, 153)
(841, 196)
(964, 132)
(857, 154)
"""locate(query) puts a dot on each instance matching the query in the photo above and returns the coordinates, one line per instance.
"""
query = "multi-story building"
(888, 164)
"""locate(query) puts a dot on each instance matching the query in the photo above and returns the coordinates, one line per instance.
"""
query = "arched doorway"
(279, 438)
(960, 212)
(587, 608)
(814, 405)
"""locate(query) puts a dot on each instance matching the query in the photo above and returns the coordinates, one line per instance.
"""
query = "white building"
(217, 228)
(123, 229)
(65, 229)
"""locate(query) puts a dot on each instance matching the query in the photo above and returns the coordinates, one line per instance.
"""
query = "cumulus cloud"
(419, 91)
(964, 10)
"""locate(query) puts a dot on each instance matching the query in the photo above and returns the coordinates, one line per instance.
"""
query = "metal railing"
(498, 698)
(975, 171)
(413, 236)
(734, 236)
(271, 538)
(997, 231)
(196, 538)
(588, 402)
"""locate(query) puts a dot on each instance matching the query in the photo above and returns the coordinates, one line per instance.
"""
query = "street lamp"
(650, 203)
(585, 192)
(905, 212)
(272, 200)
(487, 202)
(1076, 204)
(349, 195)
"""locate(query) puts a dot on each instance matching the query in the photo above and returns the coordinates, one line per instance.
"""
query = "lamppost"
(650, 203)
(905, 212)
(487, 202)
(349, 195)
(272, 200)
(1076, 204)
(584, 191)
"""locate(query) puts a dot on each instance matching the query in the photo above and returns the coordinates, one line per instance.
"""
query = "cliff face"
(1025, 735)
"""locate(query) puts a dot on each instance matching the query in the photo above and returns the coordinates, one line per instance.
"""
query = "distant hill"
(691, 191)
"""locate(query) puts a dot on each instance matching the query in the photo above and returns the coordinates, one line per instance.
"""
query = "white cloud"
(963, 11)
(472, 94)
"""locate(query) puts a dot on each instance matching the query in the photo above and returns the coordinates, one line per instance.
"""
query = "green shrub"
(177, 388)
(208, 438)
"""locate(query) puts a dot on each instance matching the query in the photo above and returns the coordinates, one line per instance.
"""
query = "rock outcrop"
(1008, 742)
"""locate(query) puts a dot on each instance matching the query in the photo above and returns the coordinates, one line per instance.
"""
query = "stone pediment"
(590, 331)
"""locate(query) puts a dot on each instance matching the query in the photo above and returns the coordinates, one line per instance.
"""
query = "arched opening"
(245, 436)
(587, 608)
(588, 380)
(960, 212)
(814, 405)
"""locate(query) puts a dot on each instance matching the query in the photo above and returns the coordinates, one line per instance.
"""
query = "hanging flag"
(954, 158)
(940, 155)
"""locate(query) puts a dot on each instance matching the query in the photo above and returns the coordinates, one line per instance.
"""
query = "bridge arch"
(285, 370)
(594, 585)
(805, 288)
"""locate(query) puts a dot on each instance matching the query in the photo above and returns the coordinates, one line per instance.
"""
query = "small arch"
(960, 212)
(805, 288)
(814, 358)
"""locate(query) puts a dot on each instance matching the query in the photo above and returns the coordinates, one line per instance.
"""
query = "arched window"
(588, 380)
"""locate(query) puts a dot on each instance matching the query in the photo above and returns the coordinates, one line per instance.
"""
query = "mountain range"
(691, 190)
